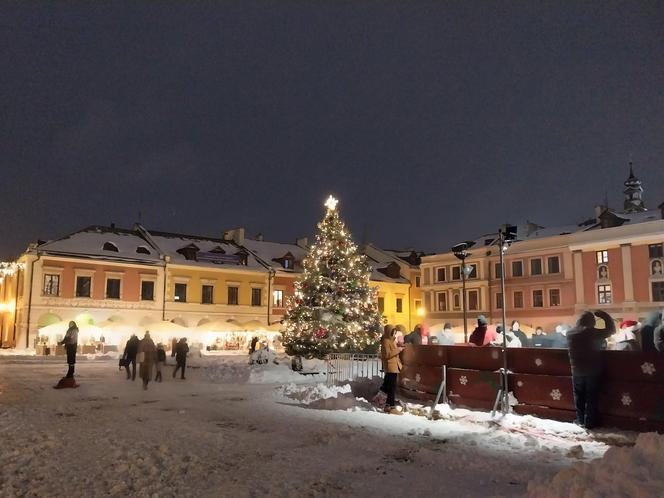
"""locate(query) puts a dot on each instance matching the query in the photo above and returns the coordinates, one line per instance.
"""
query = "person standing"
(70, 343)
(625, 338)
(584, 343)
(161, 361)
(520, 334)
(174, 345)
(181, 351)
(130, 352)
(147, 354)
(482, 336)
(415, 337)
(447, 337)
(389, 354)
(538, 339)
(647, 334)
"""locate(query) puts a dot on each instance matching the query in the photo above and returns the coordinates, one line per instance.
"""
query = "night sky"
(431, 123)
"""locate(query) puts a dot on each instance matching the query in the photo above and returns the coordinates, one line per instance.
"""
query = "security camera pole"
(461, 252)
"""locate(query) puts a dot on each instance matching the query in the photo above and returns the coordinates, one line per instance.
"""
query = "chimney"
(236, 235)
(599, 209)
(661, 210)
(302, 242)
(259, 237)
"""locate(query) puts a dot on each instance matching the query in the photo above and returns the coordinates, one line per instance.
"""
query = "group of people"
(152, 357)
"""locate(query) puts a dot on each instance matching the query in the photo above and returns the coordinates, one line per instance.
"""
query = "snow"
(234, 429)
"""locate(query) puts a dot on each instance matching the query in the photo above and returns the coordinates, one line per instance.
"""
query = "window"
(456, 273)
(602, 272)
(51, 285)
(142, 250)
(207, 294)
(536, 266)
(499, 300)
(442, 301)
(180, 293)
(112, 288)
(657, 268)
(604, 294)
(399, 305)
(538, 299)
(656, 251)
(233, 293)
(83, 285)
(417, 281)
(517, 268)
(658, 291)
(441, 275)
(554, 297)
(456, 300)
(473, 300)
(288, 263)
(518, 299)
(472, 272)
(110, 246)
(256, 297)
(278, 298)
(147, 290)
(553, 264)
(602, 257)
(497, 270)
(381, 304)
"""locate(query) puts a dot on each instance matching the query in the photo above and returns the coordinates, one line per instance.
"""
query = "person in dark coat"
(70, 343)
(415, 337)
(129, 355)
(538, 340)
(481, 336)
(584, 342)
(659, 338)
(647, 332)
(520, 334)
(174, 345)
(252, 346)
(161, 361)
(181, 351)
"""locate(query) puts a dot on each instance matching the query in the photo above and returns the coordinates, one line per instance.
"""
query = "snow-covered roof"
(100, 242)
(211, 252)
(271, 253)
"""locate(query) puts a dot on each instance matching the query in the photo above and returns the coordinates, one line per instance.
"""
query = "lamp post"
(506, 235)
(461, 252)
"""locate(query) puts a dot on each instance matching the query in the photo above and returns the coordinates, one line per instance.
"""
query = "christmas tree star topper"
(331, 203)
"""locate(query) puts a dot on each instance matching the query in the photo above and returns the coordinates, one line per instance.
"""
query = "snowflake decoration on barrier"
(556, 394)
(626, 399)
(417, 378)
(463, 380)
(519, 383)
(538, 362)
(494, 354)
(648, 368)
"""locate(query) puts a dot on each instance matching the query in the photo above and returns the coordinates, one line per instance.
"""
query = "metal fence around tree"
(342, 367)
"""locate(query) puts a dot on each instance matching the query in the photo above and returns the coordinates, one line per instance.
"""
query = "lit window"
(602, 257)
(278, 298)
(604, 294)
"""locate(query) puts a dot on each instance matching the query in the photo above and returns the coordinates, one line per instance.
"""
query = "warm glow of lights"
(421, 311)
(331, 203)
(7, 307)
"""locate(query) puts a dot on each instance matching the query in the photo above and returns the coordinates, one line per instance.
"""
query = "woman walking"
(147, 355)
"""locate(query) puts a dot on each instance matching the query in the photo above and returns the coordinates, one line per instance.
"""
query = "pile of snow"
(637, 472)
(18, 352)
(309, 394)
(236, 368)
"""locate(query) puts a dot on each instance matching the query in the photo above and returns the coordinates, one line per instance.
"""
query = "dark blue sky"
(432, 123)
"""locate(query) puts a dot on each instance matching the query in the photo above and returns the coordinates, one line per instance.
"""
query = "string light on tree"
(334, 308)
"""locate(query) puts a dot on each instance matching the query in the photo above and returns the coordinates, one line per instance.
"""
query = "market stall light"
(421, 311)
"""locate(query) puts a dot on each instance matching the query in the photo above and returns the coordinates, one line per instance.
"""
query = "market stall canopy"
(218, 326)
(165, 327)
(235, 322)
(60, 328)
(254, 325)
(48, 319)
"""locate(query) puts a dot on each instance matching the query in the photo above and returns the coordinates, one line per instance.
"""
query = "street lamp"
(506, 235)
(461, 252)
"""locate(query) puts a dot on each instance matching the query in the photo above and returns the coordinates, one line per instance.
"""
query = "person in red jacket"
(482, 336)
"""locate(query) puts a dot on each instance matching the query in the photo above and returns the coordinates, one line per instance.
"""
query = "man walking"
(181, 351)
(585, 343)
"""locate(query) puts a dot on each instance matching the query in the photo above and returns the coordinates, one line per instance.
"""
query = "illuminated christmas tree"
(334, 308)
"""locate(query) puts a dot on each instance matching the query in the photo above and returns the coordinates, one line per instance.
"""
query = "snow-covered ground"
(235, 430)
